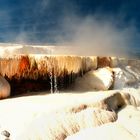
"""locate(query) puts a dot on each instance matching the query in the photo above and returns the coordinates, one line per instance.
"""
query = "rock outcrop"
(100, 79)
(5, 88)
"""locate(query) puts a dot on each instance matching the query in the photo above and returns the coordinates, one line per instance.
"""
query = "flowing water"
(51, 81)
(53, 77)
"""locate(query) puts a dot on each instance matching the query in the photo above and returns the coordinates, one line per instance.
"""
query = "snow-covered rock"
(100, 79)
(126, 77)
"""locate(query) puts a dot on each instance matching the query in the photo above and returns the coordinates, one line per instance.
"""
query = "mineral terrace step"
(25, 69)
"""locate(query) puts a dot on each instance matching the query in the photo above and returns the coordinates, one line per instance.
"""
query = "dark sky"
(39, 20)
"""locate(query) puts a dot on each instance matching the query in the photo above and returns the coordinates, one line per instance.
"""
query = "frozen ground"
(19, 114)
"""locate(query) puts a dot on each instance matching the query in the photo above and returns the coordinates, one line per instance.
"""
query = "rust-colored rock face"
(24, 64)
(32, 72)
(30, 66)
(103, 62)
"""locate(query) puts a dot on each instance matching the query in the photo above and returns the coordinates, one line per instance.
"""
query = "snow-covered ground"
(27, 117)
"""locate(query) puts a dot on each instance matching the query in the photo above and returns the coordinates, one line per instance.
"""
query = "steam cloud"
(91, 36)
(97, 34)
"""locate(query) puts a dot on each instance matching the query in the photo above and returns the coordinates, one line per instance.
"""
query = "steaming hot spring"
(46, 95)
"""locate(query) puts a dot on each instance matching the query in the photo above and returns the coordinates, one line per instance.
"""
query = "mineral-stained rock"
(24, 66)
(4, 88)
(122, 98)
(103, 62)
(131, 98)
(101, 79)
(109, 101)
(60, 71)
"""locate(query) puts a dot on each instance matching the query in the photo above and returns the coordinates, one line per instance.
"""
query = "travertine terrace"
(24, 65)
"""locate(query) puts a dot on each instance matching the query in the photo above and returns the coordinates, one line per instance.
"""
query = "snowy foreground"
(109, 115)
